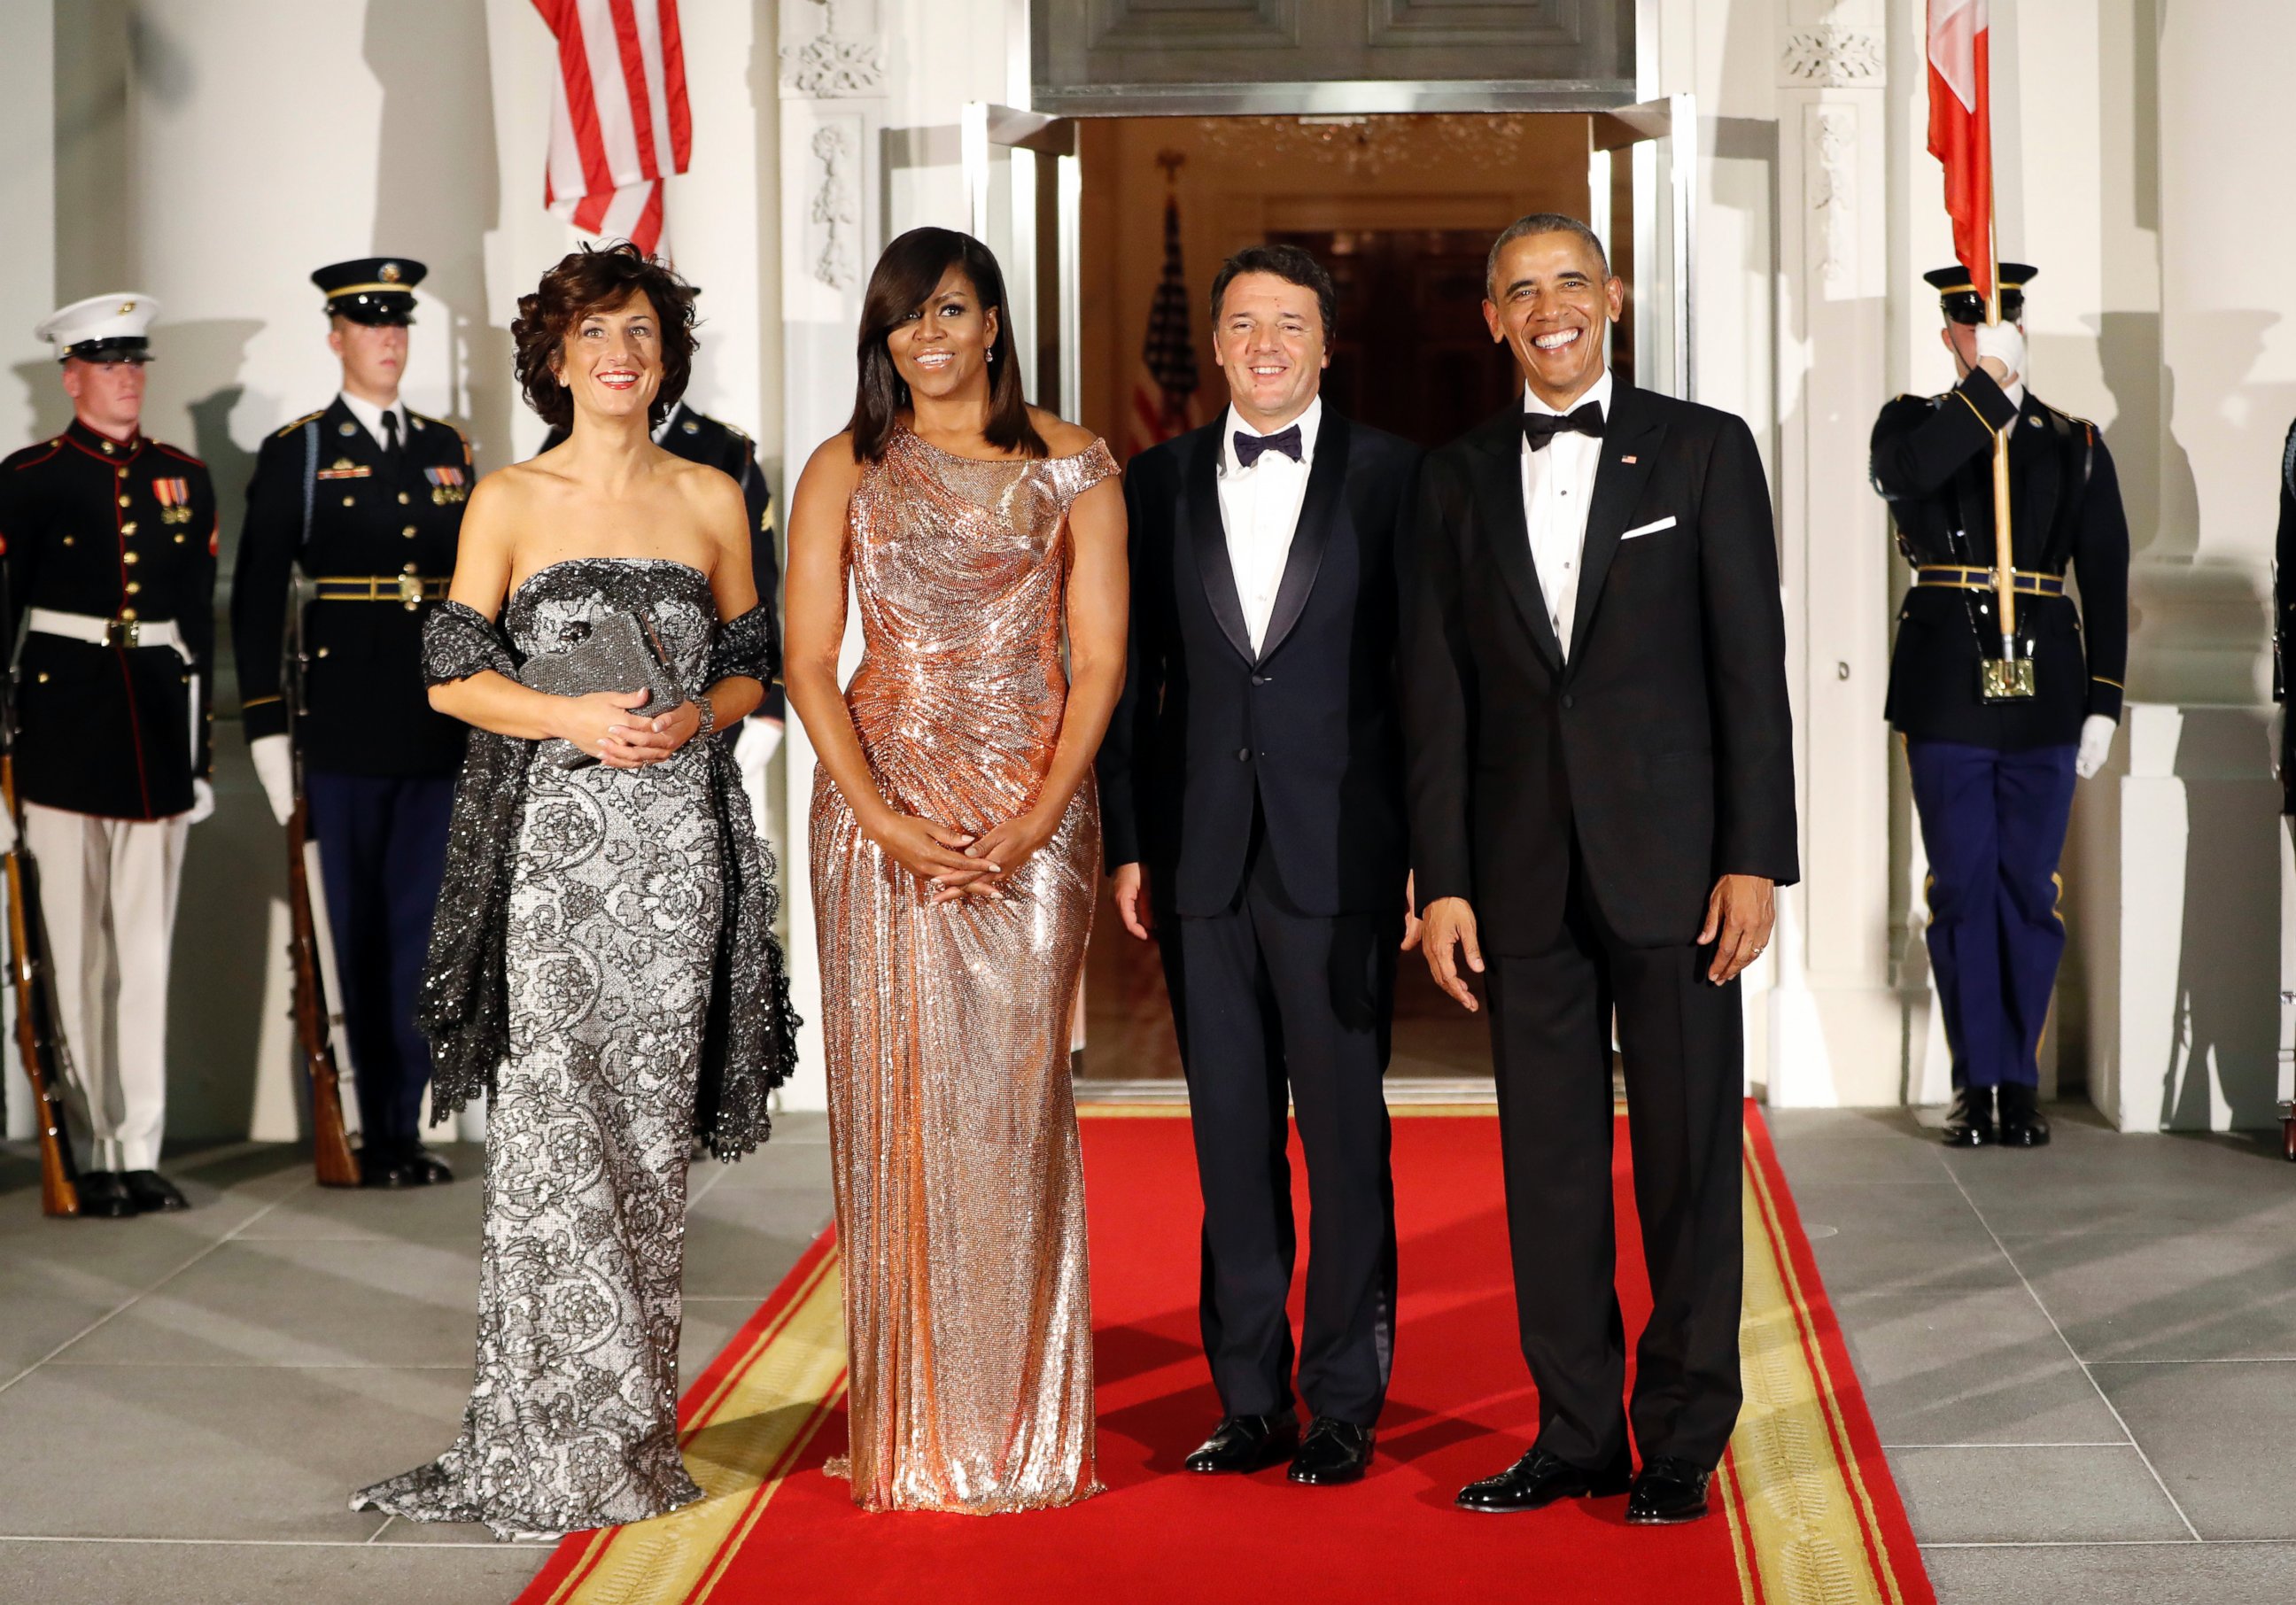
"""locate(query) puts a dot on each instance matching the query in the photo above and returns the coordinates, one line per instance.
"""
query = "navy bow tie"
(1251, 448)
(1539, 428)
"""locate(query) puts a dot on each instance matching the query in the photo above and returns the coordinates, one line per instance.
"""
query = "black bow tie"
(1539, 428)
(1251, 448)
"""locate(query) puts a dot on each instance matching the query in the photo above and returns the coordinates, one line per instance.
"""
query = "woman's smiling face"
(945, 342)
(610, 362)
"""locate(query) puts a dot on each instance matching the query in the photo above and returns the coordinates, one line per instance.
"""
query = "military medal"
(175, 500)
(447, 485)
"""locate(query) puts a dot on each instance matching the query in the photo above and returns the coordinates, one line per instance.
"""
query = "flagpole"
(2014, 679)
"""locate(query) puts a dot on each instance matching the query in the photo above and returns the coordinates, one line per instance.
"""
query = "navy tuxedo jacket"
(1661, 756)
(1307, 729)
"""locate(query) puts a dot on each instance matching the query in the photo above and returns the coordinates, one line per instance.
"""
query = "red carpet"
(1811, 1513)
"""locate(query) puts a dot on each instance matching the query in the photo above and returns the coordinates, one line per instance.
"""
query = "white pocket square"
(1650, 528)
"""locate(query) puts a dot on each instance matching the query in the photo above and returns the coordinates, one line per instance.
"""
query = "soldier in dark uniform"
(1993, 781)
(701, 439)
(365, 498)
(111, 548)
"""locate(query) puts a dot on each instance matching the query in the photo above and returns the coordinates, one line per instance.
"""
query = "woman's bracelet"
(709, 714)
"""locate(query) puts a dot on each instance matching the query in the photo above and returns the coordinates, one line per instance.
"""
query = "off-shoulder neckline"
(566, 562)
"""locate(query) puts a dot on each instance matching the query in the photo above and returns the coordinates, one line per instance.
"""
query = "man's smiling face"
(1549, 299)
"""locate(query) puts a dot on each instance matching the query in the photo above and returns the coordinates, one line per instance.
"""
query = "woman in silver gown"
(603, 965)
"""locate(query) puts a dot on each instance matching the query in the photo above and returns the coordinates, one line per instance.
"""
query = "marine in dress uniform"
(1993, 781)
(365, 498)
(110, 555)
(699, 438)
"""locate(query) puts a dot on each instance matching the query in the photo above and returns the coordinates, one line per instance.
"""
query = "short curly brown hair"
(589, 280)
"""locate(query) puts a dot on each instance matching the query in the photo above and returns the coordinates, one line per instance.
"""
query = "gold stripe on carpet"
(1803, 1502)
(742, 1445)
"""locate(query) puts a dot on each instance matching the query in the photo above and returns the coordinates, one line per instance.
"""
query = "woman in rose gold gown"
(955, 842)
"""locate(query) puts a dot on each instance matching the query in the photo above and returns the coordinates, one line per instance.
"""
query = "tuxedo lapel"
(1498, 460)
(1630, 441)
(1207, 538)
(1319, 508)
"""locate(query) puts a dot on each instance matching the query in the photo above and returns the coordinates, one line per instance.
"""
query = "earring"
(992, 354)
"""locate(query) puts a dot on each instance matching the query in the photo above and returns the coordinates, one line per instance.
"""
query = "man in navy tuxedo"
(1251, 792)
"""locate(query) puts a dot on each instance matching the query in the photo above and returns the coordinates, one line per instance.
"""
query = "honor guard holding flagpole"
(699, 438)
(110, 547)
(1995, 738)
(365, 498)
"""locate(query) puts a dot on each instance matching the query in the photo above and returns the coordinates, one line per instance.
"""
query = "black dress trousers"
(1681, 1044)
(1266, 998)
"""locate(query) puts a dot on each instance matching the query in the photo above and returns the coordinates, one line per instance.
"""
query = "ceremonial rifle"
(31, 977)
(338, 1166)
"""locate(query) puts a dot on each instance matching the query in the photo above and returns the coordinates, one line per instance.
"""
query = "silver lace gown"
(612, 930)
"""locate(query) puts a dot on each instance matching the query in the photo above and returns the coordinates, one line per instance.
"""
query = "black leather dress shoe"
(1539, 1479)
(2023, 1123)
(1333, 1451)
(427, 1169)
(154, 1193)
(385, 1167)
(1247, 1443)
(1667, 1493)
(1972, 1125)
(103, 1195)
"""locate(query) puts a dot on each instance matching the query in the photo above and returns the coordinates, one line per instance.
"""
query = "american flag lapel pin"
(1627, 458)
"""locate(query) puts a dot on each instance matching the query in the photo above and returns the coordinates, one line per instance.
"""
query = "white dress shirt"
(1259, 508)
(371, 416)
(1557, 484)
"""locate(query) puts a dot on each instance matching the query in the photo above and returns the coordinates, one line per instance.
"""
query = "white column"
(1835, 1022)
(832, 113)
(28, 291)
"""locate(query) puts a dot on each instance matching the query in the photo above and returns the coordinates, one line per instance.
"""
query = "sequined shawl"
(749, 1043)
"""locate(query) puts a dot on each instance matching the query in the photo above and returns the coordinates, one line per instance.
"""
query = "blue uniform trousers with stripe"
(1994, 824)
(383, 850)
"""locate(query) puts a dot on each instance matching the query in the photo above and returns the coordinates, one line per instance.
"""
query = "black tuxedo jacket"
(1663, 748)
(1307, 728)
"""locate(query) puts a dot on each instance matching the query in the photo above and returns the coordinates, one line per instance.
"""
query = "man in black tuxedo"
(1602, 800)
(1252, 787)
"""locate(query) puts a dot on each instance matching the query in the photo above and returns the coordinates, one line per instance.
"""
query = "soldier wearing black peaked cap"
(1993, 777)
(364, 499)
(110, 543)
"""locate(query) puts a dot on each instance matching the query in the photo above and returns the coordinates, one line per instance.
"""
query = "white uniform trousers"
(108, 888)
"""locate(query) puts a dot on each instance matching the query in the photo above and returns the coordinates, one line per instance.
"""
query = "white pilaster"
(1835, 1023)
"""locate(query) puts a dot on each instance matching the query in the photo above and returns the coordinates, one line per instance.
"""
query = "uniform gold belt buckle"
(410, 591)
(123, 632)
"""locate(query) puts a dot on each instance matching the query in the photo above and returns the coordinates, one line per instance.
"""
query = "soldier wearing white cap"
(109, 542)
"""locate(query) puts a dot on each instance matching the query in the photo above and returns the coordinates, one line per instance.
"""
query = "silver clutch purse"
(619, 652)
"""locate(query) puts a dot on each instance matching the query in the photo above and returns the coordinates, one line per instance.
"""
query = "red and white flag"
(1961, 129)
(620, 123)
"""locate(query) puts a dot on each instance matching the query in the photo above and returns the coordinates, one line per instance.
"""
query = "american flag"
(1961, 127)
(620, 123)
(1160, 400)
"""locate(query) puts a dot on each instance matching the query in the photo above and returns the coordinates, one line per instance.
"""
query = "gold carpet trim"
(1804, 1509)
(1792, 1505)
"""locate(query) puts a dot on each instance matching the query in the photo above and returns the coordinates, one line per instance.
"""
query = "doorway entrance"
(1401, 207)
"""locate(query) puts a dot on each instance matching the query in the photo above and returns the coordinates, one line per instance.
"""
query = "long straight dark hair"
(903, 281)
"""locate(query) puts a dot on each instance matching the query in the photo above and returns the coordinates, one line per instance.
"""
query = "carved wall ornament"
(1833, 187)
(834, 64)
(1835, 58)
(836, 207)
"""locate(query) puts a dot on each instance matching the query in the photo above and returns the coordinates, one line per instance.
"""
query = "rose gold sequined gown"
(960, 1197)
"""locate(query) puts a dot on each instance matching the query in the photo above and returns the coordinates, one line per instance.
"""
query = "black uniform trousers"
(1264, 997)
(383, 854)
(1682, 1041)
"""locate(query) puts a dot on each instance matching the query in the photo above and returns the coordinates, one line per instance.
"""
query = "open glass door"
(1643, 172)
(1023, 186)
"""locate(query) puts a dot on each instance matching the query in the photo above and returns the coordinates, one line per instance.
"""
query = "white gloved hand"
(2005, 344)
(2095, 744)
(274, 766)
(754, 745)
(202, 802)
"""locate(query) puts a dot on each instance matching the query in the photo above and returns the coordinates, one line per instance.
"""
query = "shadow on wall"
(219, 966)
(2226, 1037)
(432, 60)
(44, 393)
